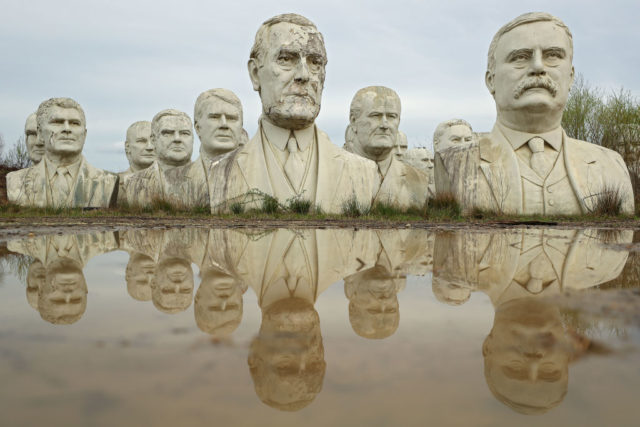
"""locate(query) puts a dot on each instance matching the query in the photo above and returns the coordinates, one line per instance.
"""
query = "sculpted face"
(533, 72)
(63, 297)
(218, 303)
(219, 127)
(139, 274)
(291, 76)
(172, 288)
(35, 146)
(141, 152)
(455, 135)
(63, 132)
(174, 141)
(377, 126)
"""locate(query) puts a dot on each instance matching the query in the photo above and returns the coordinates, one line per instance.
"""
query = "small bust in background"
(138, 148)
(172, 140)
(35, 146)
(452, 133)
(373, 133)
(64, 179)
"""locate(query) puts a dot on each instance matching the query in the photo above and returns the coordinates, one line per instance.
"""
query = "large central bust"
(289, 157)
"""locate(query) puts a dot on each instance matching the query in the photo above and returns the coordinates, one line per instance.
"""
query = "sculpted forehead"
(285, 35)
(174, 122)
(459, 130)
(544, 34)
(217, 105)
(373, 101)
(31, 124)
(140, 129)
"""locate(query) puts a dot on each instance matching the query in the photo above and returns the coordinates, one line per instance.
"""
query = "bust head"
(35, 146)
(172, 285)
(138, 147)
(172, 138)
(455, 132)
(218, 303)
(62, 128)
(287, 68)
(218, 121)
(138, 274)
(530, 71)
(374, 118)
(419, 158)
(62, 299)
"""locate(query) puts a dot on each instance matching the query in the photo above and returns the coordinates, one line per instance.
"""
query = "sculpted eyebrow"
(560, 51)
(519, 52)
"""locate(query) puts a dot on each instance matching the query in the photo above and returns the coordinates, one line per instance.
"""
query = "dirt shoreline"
(11, 228)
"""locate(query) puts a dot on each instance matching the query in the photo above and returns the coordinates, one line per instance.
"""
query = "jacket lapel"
(579, 166)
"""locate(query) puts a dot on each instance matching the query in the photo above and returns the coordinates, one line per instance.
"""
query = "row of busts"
(522, 272)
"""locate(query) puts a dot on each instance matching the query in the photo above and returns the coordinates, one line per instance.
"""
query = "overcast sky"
(124, 61)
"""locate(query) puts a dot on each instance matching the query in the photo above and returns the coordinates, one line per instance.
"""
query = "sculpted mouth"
(540, 82)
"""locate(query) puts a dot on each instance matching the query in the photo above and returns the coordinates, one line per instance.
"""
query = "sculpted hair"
(442, 128)
(526, 18)
(155, 123)
(262, 36)
(219, 93)
(132, 129)
(43, 109)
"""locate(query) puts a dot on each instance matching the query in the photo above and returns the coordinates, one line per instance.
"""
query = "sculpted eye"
(185, 132)
(167, 132)
(286, 59)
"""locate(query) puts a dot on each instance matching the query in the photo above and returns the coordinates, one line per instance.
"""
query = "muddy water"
(320, 327)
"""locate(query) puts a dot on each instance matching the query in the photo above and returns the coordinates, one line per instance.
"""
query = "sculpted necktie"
(539, 163)
(61, 185)
(294, 166)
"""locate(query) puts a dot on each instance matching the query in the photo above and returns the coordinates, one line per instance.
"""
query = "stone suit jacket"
(403, 186)
(187, 186)
(144, 187)
(341, 176)
(92, 188)
(488, 176)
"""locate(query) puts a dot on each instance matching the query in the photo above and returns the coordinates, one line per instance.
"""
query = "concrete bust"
(35, 146)
(527, 164)
(373, 133)
(64, 178)
(172, 140)
(289, 157)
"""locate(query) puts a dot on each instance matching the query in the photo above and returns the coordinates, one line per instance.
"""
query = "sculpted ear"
(252, 65)
(488, 80)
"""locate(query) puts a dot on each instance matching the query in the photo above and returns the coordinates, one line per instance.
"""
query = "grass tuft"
(443, 205)
(351, 208)
(608, 202)
(270, 204)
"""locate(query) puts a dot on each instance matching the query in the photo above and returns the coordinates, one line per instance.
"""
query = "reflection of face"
(291, 76)
(377, 126)
(533, 69)
(35, 280)
(287, 357)
(139, 147)
(174, 141)
(139, 274)
(63, 131)
(527, 356)
(219, 126)
(63, 297)
(455, 135)
(173, 285)
(450, 293)
(218, 303)
(35, 146)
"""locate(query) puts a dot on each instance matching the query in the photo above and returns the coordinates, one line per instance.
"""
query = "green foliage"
(17, 157)
(608, 201)
(298, 205)
(443, 205)
(236, 208)
(351, 208)
(270, 204)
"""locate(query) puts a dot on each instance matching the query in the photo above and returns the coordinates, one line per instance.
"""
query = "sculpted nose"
(302, 72)
(66, 127)
(537, 65)
(223, 120)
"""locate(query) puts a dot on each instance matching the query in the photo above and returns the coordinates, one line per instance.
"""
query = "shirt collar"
(279, 136)
(517, 139)
(73, 168)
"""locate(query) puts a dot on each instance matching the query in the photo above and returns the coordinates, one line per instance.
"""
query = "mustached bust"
(527, 164)
(63, 179)
(289, 157)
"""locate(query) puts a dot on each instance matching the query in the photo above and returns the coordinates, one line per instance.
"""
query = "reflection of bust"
(373, 133)
(62, 299)
(527, 164)
(527, 356)
(289, 157)
(373, 302)
(138, 275)
(36, 275)
(286, 359)
(35, 146)
(218, 303)
(172, 285)
(63, 178)
(450, 293)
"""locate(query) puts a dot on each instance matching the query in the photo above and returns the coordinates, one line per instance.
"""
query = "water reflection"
(526, 354)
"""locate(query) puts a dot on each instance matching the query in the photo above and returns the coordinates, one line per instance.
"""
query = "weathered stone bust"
(289, 157)
(35, 146)
(527, 164)
(139, 151)
(373, 133)
(422, 159)
(172, 140)
(64, 178)
(218, 123)
(454, 132)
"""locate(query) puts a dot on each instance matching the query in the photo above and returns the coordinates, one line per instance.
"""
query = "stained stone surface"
(172, 139)
(527, 164)
(289, 157)
(35, 146)
(421, 159)
(373, 133)
(64, 179)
